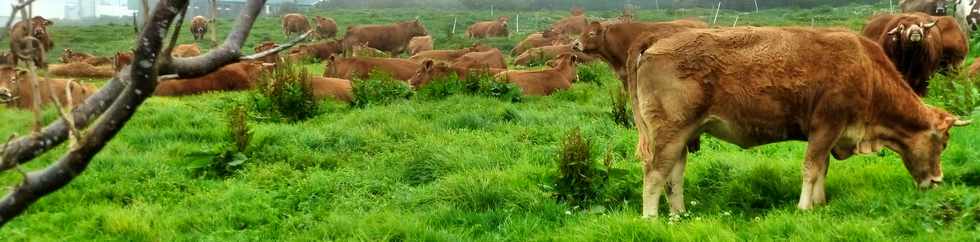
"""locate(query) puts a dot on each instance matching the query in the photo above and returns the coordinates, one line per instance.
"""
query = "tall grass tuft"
(379, 88)
(474, 84)
(285, 93)
(580, 179)
(224, 159)
(957, 93)
(621, 112)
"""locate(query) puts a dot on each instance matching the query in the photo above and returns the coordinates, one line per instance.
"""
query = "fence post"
(736, 20)
(756, 5)
(454, 25)
(491, 10)
(717, 10)
(518, 24)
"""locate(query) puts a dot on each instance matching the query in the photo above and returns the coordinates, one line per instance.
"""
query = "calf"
(16, 90)
(234, 77)
(68, 56)
(419, 44)
(484, 59)
(199, 27)
(547, 53)
(540, 39)
(186, 50)
(321, 50)
(543, 82)
(431, 70)
(448, 55)
(361, 67)
(486, 29)
(332, 88)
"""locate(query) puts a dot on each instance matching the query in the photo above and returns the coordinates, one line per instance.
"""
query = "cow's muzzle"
(6, 95)
(931, 182)
(578, 46)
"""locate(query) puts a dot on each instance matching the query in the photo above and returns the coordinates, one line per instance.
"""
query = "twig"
(277, 49)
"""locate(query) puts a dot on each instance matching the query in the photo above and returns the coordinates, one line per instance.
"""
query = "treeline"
(742, 5)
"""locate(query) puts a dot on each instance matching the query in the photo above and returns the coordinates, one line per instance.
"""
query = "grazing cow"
(547, 53)
(541, 39)
(419, 44)
(15, 89)
(845, 99)
(492, 58)
(81, 70)
(186, 50)
(571, 25)
(364, 50)
(326, 28)
(294, 23)
(332, 88)
(955, 44)
(486, 29)
(321, 50)
(38, 30)
(543, 82)
(968, 15)
(199, 27)
(68, 56)
(431, 70)
(361, 67)
(121, 60)
(931, 7)
(389, 38)
(234, 77)
(912, 43)
(264, 46)
(448, 55)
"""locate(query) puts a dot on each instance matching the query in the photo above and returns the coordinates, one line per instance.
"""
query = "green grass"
(466, 168)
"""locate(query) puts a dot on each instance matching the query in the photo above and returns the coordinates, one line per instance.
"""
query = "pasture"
(469, 167)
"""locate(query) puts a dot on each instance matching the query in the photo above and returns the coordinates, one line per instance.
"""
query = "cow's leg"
(815, 166)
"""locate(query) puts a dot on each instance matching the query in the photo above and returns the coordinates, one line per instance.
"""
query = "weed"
(621, 112)
(378, 89)
(579, 177)
(285, 92)
(225, 159)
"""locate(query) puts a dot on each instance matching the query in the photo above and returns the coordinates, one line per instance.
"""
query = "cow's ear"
(332, 58)
(428, 63)
(596, 27)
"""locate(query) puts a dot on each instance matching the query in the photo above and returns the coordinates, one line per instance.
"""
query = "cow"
(326, 28)
(234, 77)
(843, 100)
(968, 15)
(913, 44)
(492, 58)
(364, 50)
(186, 50)
(294, 23)
(543, 82)
(320, 50)
(199, 27)
(15, 90)
(264, 46)
(486, 29)
(432, 70)
(81, 70)
(419, 44)
(332, 88)
(361, 67)
(448, 55)
(955, 44)
(571, 25)
(547, 53)
(392, 38)
(577, 11)
(39, 31)
(540, 39)
(122, 59)
(68, 56)
(931, 7)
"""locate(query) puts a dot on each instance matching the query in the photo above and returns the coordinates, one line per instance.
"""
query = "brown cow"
(186, 50)
(264, 46)
(486, 29)
(364, 50)
(389, 38)
(492, 58)
(121, 60)
(843, 100)
(448, 55)
(431, 70)
(541, 39)
(419, 44)
(332, 88)
(912, 43)
(81, 70)
(931, 7)
(321, 50)
(68, 56)
(361, 67)
(294, 23)
(547, 53)
(15, 89)
(199, 27)
(39, 30)
(326, 28)
(571, 25)
(543, 82)
(955, 43)
(234, 77)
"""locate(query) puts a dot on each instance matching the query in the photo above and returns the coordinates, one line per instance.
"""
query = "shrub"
(441, 88)
(225, 159)
(579, 177)
(959, 94)
(473, 84)
(285, 92)
(621, 112)
(379, 88)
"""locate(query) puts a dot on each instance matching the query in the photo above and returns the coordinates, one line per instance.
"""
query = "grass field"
(467, 168)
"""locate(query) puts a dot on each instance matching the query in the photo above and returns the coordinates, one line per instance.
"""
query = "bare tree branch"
(279, 48)
(229, 51)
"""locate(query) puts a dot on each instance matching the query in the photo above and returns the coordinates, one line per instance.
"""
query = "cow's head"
(428, 71)
(66, 55)
(121, 60)
(417, 29)
(911, 32)
(39, 27)
(592, 39)
(8, 83)
(940, 8)
(920, 149)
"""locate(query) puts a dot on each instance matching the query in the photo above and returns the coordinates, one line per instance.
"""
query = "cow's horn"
(895, 30)
(961, 123)
(929, 25)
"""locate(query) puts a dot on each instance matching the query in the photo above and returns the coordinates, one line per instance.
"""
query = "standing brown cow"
(571, 25)
(931, 7)
(486, 29)
(326, 28)
(361, 67)
(39, 30)
(199, 27)
(294, 23)
(756, 86)
(912, 42)
(392, 38)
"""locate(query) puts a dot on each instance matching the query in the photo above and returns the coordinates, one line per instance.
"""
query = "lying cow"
(364, 50)
(81, 70)
(234, 77)
(547, 53)
(484, 59)
(294, 23)
(361, 67)
(39, 30)
(541, 39)
(69, 56)
(326, 28)
(486, 29)
(448, 55)
(199, 27)
(186, 50)
(321, 50)
(419, 44)
(332, 88)
(392, 38)
(432, 70)
(931, 7)
(122, 59)
(845, 99)
(543, 82)
(912, 42)
(15, 89)
(264, 46)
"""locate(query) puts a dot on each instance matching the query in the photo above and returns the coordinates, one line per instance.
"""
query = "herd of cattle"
(844, 93)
